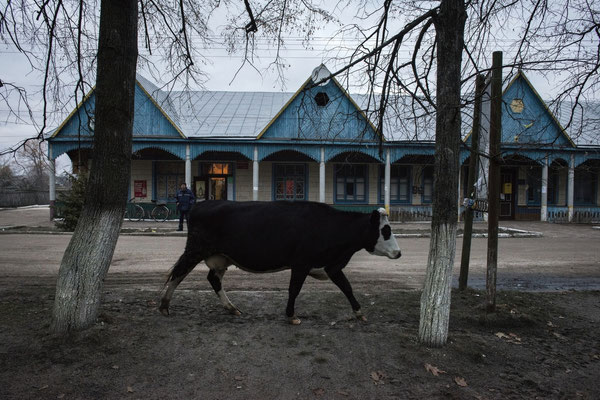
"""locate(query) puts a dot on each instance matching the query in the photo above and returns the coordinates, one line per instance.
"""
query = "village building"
(318, 144)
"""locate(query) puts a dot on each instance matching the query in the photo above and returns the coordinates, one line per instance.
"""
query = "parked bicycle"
(135, 212)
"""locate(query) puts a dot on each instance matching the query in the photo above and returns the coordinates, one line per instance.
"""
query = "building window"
(534, 186)
(585, 187)
(427, 184)
(216, 169)
(290, 181)
(321, 99)
(399, 184)
(351, 183)
(169, 176)
(517, 106)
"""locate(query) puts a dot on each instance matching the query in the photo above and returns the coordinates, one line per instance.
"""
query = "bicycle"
(134, 212)
(160, 212)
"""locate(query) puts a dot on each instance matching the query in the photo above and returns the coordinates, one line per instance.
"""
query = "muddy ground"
(538, 345)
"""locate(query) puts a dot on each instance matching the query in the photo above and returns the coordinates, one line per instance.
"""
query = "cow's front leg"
(296, 282)
(338, 277)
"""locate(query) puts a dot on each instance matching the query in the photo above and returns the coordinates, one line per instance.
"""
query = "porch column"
(544, 210)
(51, 181)
(571, 187)
(322, 176)
(387, 181)
(255, 175)
(188, 167)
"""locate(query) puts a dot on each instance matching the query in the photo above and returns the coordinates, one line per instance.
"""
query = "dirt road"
(565, 257)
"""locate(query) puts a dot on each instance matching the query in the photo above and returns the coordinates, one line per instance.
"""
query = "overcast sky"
(220, 69)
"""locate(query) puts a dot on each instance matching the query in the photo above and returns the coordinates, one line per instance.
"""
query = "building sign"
(507, 188)
(140, 188)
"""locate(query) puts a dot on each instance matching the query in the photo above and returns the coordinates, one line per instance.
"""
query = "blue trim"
(332, 151)
(313, 152)
(245, 149)
(273, 177)
(176, 149)
(335, 200)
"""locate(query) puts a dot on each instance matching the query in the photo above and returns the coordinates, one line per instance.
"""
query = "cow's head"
(386, 244)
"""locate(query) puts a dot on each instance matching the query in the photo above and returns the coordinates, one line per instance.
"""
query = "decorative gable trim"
(153, 100)
(522, 75)
(88, 95)
(81, 103)
(302, 88)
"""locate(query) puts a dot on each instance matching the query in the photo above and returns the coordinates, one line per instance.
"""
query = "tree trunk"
(435, 299)
(89, 254)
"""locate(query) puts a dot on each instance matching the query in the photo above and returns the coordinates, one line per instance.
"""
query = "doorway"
(507, 194)
(214, 181)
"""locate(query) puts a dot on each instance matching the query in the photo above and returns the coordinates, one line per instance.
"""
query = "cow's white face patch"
(386, 242)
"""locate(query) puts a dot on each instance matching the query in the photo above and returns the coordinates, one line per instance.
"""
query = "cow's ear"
(375, 218)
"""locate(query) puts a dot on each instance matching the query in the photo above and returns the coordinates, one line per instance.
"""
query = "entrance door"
(217, 188)
(507, 194)
(200, 188)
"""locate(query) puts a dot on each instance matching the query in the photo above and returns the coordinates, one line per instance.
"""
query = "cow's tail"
(183, 266)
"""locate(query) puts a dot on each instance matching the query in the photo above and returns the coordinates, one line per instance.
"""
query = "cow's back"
(269, 235)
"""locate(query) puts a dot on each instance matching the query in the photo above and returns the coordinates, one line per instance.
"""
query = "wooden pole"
(494, 186)
(472, 177)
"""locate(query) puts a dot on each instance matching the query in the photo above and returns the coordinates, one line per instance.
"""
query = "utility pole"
(494, 186)
(472, 178)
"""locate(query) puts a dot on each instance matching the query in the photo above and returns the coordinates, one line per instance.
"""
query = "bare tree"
(397, 57)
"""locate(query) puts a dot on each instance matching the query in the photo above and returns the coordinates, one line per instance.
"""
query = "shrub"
(72, 202)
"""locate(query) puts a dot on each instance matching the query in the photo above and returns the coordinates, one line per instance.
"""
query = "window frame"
(295, 176)
(423, 169)
(336, 168)
(381, 191)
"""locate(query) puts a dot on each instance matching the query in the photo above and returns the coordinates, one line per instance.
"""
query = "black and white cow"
(308, 238)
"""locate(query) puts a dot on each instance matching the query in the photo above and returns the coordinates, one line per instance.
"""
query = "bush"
(72, 202)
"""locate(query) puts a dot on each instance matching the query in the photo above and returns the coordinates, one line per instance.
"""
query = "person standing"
(185, 200)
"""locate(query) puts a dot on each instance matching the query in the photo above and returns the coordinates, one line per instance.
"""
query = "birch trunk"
(435, 299)
(89, 253)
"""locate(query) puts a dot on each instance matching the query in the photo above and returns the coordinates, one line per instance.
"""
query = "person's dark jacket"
(185, 199)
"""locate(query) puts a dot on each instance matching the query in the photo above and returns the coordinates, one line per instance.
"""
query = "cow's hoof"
(359, 316)
(164, 307)
(234, 311)
(294, 320)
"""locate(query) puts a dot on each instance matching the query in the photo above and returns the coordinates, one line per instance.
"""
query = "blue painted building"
(318, 144)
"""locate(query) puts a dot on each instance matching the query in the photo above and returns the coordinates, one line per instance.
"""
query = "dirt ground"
(538, 345)
(542, 342)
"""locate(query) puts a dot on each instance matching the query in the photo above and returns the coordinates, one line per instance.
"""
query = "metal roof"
(243, 115)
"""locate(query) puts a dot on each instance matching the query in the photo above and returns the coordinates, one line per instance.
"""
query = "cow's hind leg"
(186, 263)
(337, 276)
(296, 282)
(218, 265)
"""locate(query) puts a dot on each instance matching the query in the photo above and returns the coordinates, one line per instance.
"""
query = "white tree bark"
(435, 299)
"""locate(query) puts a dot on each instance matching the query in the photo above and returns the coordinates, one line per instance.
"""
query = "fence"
(580, 215)
(23, 198)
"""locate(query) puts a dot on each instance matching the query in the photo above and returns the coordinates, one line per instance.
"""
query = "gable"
(149, 119)
(527, 120)
(320, 113)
